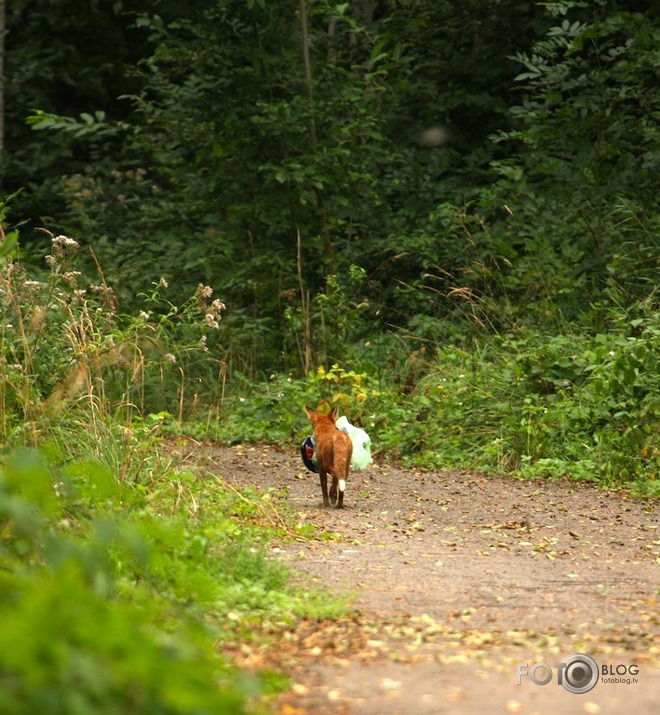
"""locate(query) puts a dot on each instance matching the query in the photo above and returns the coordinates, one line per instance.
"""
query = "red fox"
(333, 449)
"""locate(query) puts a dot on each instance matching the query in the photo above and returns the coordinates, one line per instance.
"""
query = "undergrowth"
(122, 575)
(118, 598)
(583, 406)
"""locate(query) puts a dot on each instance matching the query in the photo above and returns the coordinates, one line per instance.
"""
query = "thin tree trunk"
(307, 67)
(306, 348)
(309, 93)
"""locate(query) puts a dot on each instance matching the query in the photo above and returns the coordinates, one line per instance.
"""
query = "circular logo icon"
(580, 673)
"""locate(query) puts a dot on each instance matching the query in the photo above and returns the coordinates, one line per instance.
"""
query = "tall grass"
(72, 364)
(118, 567)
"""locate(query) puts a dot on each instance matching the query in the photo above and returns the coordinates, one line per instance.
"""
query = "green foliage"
(118, 598)
(101, 529)
(63, 58)
(68, 355)
(587, 138)
(576, 405)
(214, 171)
(95, 126)
(83, 629)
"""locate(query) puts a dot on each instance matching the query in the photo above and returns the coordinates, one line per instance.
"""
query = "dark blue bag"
(307, 453)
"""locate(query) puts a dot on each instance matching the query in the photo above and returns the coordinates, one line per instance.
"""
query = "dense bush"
(93, 593)
(500, 172)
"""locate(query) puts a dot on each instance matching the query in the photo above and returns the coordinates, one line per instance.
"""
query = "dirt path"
(457, 579)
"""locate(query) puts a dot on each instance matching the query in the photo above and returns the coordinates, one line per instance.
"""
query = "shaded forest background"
(383, 193)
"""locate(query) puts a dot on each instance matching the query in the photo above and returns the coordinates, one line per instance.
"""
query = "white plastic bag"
(361, 443)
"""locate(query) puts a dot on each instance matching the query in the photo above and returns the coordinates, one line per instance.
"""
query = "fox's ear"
(309, 411)
(333, 413)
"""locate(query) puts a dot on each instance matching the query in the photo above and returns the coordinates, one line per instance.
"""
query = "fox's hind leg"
(324, 485)
(333, 490)
(340, 495)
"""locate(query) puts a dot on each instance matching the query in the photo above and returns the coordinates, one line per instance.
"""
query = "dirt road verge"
(462, 584)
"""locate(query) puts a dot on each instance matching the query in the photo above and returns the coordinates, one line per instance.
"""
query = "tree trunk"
(307, 67)
(309, 93)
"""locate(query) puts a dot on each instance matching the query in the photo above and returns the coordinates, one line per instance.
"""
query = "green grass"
(118, 597)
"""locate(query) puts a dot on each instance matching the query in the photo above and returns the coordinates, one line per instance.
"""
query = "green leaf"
(8, 246)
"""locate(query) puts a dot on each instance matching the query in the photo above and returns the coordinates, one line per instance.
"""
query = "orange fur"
(333, 450)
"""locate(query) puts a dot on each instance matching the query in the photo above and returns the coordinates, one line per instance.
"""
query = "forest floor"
(454, 580)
